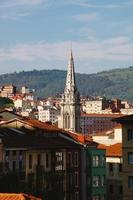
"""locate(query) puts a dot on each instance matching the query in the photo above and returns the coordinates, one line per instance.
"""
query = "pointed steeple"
(70, 80)
(70, 104)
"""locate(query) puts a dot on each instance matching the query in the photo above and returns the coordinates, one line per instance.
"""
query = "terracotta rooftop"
(45, 128)
(42, 125)
(83, 139)
(20, 196)
(112, 150)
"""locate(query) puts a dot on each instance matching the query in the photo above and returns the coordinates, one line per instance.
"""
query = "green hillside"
(114, 83)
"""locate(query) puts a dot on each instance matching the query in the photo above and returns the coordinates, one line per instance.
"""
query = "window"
(120, 167)
(110, 167)
(67, 121)
(130, 182)
(30, 161)
(70, 179)
(20, 165)
(103, 161)
(38, 159)
(102, 181)
(130, 158)
(14, 165)
(96, 159)
(130, 134)
(76, 161)
(111, 189)
(76, 195)
(95, 181)
(7, 153)
(20, 155)
(14, 153)
(7, 165)
(76, 179)
(120, 189)
(59, 160)
(47, 160)
(102, 198)
(69, 159)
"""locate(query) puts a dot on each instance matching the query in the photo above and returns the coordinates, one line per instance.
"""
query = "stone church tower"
(70, 104)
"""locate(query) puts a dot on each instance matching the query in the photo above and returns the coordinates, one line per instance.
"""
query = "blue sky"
(37, 34)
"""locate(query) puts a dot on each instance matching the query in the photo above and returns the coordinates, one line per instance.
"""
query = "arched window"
(67, 121)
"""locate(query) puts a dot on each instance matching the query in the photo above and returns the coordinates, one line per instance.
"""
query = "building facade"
(96, 174)
(94, 123)
(113, 171)
(127, 146)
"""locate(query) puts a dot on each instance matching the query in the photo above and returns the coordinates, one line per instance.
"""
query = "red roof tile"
(42, 125)
(20, 196)
(83, 139)
(112, 150)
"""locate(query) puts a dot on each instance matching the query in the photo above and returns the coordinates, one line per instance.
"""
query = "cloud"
(112, 49)
(86, 17)
(89, 4)
(15, 9)
(14, 16)
(13, 3)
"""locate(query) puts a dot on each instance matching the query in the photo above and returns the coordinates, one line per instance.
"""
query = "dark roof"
(15, 138)
(124, 119)
(8, 115)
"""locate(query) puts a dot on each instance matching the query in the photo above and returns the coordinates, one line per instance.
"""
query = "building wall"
(1, 151)
(114, 178)
(127, 167)
(50, 114)
(109, 139)
(96, 171)
(93, 123)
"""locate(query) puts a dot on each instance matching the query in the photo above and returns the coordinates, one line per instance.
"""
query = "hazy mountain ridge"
(113, 83)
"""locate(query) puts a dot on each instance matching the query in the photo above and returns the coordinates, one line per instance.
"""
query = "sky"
(38, 34)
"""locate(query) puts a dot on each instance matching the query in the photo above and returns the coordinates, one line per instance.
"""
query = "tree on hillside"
(6, 102)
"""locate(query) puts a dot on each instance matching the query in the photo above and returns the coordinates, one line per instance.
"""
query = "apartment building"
(95, 106)
(50, 160)
(8, 90)
(113, 171)
(93, 123)
(42, 158)
(110, 137)
(96, 168)
(48, 113)
(127, 146)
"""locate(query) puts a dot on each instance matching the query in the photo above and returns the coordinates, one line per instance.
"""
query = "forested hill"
(114, 83)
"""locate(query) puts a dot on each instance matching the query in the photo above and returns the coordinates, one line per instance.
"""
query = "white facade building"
(110, 137)
(48, 114)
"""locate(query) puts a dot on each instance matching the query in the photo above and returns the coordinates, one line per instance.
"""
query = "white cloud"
(87, 3)
(12, 3)
(112, 49)
(86, 17)
(14, 16)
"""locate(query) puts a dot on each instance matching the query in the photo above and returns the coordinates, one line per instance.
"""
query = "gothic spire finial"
(70, 81)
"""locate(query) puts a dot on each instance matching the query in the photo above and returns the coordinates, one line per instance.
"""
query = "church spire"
(70, 80)
(70, 104)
